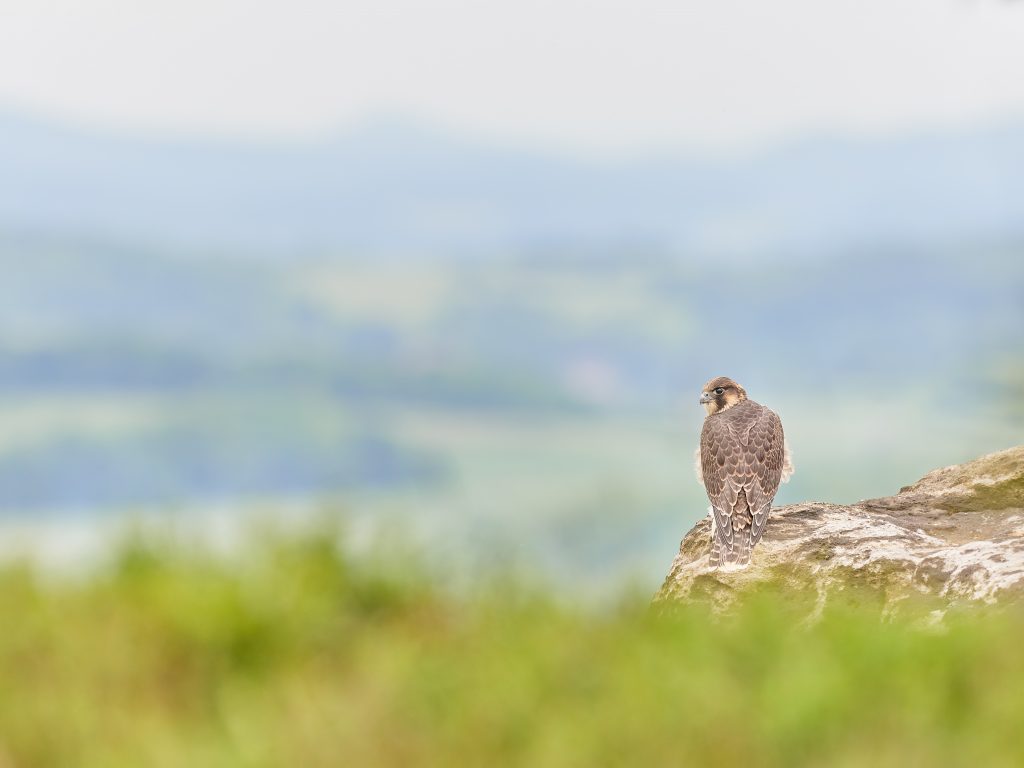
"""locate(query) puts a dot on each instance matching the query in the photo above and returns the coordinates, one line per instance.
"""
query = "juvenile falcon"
(743, 457)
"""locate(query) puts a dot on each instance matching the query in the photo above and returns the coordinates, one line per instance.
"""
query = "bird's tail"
(734, 555)
(731, 552)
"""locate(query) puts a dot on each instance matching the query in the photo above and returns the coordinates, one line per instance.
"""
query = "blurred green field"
(289, 652)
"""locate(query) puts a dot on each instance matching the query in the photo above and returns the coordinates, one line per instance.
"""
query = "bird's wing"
(764, 457)
(720, 466)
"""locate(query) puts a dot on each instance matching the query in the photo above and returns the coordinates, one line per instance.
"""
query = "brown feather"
(742, 455)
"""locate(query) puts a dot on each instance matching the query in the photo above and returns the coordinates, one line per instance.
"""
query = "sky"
(583, 75)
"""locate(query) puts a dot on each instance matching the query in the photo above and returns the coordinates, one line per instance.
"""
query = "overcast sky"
(587, 75)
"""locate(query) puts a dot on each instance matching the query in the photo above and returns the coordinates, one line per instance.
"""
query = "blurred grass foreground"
(291, 652)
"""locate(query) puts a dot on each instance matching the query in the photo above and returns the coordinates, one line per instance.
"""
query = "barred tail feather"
(734, 553)
(740, 555)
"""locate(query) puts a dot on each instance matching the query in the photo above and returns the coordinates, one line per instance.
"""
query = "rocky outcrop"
(954, 536)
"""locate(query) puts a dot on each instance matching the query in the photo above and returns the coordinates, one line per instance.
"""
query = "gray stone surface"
(954, 536)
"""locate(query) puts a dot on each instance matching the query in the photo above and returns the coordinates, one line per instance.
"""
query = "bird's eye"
(719, 390)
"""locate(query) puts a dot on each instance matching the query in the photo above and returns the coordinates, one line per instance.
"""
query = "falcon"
(742, 458)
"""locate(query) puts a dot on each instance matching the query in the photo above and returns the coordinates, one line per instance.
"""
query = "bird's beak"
(705, 398)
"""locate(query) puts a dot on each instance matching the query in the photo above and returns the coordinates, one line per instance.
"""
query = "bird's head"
(720, 394)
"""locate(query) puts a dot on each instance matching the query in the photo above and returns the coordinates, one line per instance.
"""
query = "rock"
(954, 536)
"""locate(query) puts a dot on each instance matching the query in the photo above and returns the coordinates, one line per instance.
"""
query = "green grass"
(291, 653)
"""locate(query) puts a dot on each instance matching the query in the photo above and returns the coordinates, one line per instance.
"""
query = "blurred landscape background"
(491, 346)
(350, 355)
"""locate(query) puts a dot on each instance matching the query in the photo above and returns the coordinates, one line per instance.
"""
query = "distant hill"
(397, 187)
(130, 375)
